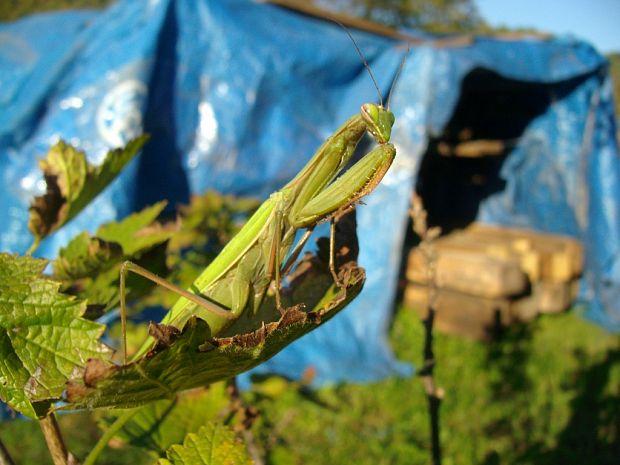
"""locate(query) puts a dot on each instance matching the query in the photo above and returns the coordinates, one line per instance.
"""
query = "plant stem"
(433, 394)
(55, 442)
(5, 457)
(109, 434)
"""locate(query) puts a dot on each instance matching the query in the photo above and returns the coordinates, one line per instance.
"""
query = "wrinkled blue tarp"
(237, 95)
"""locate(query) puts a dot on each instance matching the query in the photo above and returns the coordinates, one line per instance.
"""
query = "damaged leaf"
(43, 339)
(214, 444)
(72, 183)
(195, 358)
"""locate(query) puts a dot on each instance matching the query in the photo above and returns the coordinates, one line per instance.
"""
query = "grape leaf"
(214, 444)
(43, 339)
(210, 221)
(192, 357)
(89, 266)
(72, 183)
(87, 256)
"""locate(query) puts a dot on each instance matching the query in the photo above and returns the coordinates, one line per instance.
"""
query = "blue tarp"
(237, 95)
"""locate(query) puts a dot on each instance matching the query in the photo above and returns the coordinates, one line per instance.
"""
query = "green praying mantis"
(237, 280)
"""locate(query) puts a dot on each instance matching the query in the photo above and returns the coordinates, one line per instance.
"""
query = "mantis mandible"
(237, 280)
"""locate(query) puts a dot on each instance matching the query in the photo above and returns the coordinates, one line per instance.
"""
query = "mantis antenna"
(400, 68)
(372, 76)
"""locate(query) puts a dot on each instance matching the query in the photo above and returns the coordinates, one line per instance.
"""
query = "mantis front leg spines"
(236, 281)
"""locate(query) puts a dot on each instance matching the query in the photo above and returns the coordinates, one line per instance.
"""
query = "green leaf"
(210, 221)
(159, 425)
(137, 232)
(102, 290)
(72, 183)
(43, 339)
(85, 256)
(194, 358)
(89, 266)
(214, 444)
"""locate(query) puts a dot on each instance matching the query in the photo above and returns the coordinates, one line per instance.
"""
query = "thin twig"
(55, 442)
(433, 393)
(5, 457)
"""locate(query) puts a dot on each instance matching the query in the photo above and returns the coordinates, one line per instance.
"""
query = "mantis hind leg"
(128, 266)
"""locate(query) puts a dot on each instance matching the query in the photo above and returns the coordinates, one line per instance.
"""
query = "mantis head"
(379, 121)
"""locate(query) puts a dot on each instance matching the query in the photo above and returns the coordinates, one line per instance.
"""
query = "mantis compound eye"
(379, 121)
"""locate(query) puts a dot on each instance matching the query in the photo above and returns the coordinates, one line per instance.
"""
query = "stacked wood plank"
(487, 277)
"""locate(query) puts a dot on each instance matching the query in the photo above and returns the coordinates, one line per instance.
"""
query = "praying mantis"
(237, 280)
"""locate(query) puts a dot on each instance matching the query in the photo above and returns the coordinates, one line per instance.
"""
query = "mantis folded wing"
(237, 280)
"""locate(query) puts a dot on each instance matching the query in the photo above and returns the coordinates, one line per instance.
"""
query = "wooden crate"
(555, 297)
(471, 272)
(488, 277)
(467, 315)
(559, 257)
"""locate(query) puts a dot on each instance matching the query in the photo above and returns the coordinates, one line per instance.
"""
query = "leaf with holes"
(72, 183)
(43, 339)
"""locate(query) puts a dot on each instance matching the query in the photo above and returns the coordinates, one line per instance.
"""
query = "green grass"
(547, 393)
